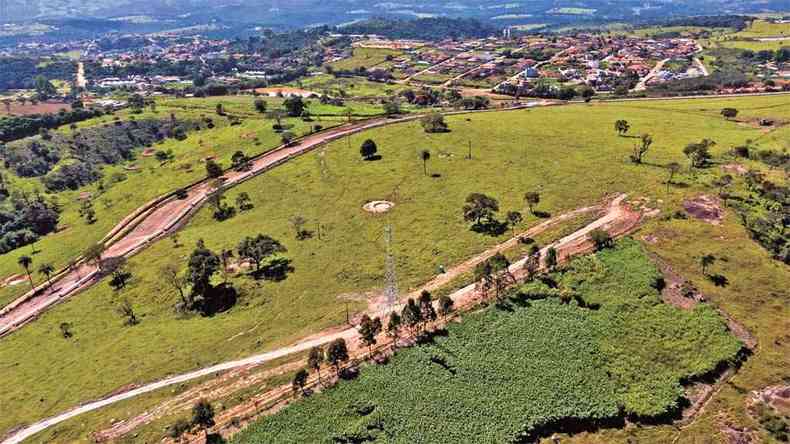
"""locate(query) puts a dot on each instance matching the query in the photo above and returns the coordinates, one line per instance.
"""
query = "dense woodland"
(18, 127)
(20, 73)
(438, 28)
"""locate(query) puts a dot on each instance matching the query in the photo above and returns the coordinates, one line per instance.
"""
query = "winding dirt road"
(158, 219)
(618, 220)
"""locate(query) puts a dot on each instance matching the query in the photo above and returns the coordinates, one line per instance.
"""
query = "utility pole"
(470, 150)
(390, 278)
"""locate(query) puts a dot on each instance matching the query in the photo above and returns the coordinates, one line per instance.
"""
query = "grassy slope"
(350, 86)
(518, 368)
(367, 58)
(153, 180)
(514, 152)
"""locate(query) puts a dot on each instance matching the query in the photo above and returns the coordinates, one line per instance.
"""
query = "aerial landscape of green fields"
(431, 229)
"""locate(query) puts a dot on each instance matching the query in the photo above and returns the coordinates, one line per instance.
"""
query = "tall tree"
(427, 312)
(425, 155)
(641, 149)
(93, 255)
(393, 328)
(480, 207)
(203, 415)
(729, 113)
(433, 123)
(532, 199)
(551, 258)
(259, 248)
(699, 153)
(369, 329)
(299, 381)
(706, 261)
(202, 266)
(514, 218)
(337, 354)
(25, 262)
(532, 262)
(213, 169)
(316, 359)
(294, 106)
(260, 105)
(126, 310)
(47, 270)
(622, 127)
(368, 149)
(445, 306)
(175, 279)
(411, 315)
(672, 168)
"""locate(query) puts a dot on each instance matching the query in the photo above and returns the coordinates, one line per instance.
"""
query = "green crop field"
(507, 373)
(545, 149)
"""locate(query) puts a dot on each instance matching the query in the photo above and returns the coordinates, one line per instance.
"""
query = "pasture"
(512, 152)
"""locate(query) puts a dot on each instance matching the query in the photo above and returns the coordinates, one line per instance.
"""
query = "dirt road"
(156, 221)
(619, 220)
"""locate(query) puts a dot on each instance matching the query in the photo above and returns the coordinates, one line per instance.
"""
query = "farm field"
(17, 109)
(512, 362)
(532, 149)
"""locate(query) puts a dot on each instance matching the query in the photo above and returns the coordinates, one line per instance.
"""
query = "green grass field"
(506, 373)
(545, 149)
(151, 179)
(367, 58)
(764, 28)
(348, 87)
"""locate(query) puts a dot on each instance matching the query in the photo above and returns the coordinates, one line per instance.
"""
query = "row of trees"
(414, 318)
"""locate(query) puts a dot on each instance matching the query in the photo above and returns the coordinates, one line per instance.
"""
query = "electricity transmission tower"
(390, 278)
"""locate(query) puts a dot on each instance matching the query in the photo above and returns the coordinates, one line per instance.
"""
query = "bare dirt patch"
(735, 168)
(14, 279)
(705, 208)
(149, 152)
(285, 91)
(378, 206)
(776, 397)
(18, 109)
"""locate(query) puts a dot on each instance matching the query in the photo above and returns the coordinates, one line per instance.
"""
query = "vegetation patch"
(533, 367)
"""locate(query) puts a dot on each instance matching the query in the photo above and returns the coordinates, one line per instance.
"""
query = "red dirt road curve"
(153, 222)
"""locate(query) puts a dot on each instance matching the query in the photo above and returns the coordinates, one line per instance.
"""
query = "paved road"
(618, 220)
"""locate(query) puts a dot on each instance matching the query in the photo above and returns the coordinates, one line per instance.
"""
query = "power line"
(391, 279)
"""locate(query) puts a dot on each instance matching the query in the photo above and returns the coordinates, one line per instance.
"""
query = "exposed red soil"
(40, 108)
(705, 208)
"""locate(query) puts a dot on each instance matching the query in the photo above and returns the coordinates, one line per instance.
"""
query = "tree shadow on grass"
(719, 280)
(219, 299)
(541, 214)
(491, 228)
(373, 158)
(277, 270)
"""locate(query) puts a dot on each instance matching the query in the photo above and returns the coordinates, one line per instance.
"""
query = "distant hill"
(129, 15)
